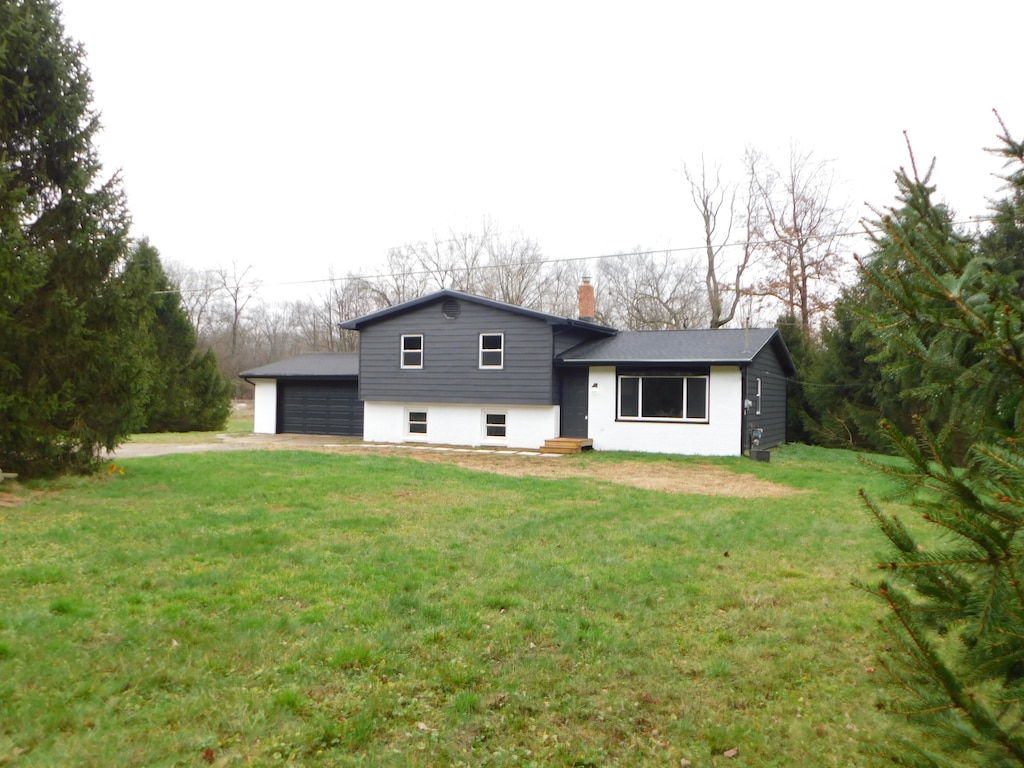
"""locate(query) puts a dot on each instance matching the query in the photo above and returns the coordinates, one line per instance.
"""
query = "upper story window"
(492, 350)
(663, 398)
(412, 350)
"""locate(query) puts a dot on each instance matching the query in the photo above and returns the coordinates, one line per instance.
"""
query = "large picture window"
(492, 350)
(663, 398)
(412, 351)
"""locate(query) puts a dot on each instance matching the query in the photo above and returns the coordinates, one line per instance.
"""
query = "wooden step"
(567, 445)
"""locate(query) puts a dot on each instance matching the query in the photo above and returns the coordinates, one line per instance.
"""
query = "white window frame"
(485, 417)
(757, 398)
(409, 422)
(402, 351)
(641, 377)
(500, 350)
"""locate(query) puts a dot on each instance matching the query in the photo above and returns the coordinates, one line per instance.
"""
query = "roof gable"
(359, 323)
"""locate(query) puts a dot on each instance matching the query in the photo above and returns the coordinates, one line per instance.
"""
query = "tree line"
(774, 244)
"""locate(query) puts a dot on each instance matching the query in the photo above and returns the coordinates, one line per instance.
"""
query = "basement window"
(663, 398)
(417, 423)
(495, 425)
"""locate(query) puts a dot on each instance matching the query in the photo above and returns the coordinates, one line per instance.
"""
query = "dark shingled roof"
(725, 346)
(316, 365)
(359, 322)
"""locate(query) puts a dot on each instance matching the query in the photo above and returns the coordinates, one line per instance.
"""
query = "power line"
(758, 243)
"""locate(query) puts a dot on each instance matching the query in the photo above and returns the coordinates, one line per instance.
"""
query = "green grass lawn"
(236, 425)
(276, 608)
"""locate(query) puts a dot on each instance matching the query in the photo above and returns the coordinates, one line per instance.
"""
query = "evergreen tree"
(1003, 244)
(846, 392)
(71, 378)
(187, 391)
(954, 322)
(801, 349)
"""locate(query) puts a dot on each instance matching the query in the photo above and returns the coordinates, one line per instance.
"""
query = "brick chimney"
(588, 306)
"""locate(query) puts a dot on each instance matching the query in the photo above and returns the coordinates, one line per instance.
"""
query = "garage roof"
(315, 365)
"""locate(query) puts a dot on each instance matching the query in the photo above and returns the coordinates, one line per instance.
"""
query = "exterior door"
(575, 403)
(319, 408)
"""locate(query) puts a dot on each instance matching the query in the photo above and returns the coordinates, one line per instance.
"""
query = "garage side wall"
(265, 407)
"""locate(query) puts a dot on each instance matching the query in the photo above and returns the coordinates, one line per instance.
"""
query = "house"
(457, 369)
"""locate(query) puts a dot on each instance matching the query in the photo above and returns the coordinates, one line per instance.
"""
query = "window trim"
(402, 351)
(757, 398)
(409, 421)
(640, 377)
(486, 415)
(500, 350)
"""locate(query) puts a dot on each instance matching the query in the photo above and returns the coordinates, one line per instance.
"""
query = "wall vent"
(451, 309)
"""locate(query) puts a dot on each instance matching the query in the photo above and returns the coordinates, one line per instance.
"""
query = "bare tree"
(561, 280)
(515, 271)
(266, 334)
(652, 291)
(403, 278)
(455, 261)
(354, 296)
(802, 227)
(238, 291)
(312, 326)
(716, 206)
(198, 289)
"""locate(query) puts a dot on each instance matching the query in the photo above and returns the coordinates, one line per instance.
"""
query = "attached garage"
(315, 407)
(314, 394)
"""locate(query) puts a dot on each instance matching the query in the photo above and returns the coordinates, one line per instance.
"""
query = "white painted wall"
(265, 407)
(719, 437)
(528, 426)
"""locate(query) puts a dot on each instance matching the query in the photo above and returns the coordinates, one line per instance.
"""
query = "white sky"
(297, 137)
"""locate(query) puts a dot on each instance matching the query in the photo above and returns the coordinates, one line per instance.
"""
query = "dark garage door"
(319, 408)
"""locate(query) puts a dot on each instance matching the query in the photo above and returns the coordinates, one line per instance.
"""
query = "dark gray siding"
(451, 372)
(772, 419)
(566, 338)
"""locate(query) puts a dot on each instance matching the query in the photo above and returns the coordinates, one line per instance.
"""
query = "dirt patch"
(9, 499)
(666, 476)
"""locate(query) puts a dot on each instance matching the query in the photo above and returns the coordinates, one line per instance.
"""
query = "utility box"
(760, 454)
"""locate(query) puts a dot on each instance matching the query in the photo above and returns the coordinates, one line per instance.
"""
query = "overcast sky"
(304, 136)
